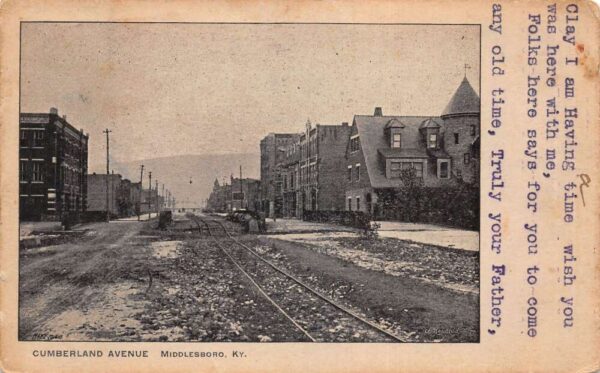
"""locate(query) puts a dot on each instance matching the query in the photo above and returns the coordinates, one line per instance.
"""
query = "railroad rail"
(219, 230)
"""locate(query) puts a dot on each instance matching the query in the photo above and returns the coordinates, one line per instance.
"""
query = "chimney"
(378, 112)
(54, 111)
(64, 117)
(344, 124)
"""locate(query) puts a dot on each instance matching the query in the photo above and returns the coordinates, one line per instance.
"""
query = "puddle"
(166, 249)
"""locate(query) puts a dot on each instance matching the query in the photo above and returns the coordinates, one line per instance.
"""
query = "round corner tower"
(461, 124)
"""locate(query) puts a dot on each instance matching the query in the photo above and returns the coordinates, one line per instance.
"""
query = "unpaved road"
(98, 288)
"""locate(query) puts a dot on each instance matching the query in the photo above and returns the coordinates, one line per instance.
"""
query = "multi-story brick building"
(310, 170)
(53, 158)
(441, 150)
(271, 154)
(243, 194)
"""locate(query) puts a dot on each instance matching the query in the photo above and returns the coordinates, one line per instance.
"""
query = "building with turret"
(387, 152)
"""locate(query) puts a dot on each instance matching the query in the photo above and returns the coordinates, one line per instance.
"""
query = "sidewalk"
(26, 228)
(420, 233)
(288, 225)
(431, 234)
(143, 217)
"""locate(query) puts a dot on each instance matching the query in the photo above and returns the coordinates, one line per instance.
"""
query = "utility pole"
(139, 207)
(163, 195)
(149, 194)
(156, 188)
(242, 189)
(107, 131)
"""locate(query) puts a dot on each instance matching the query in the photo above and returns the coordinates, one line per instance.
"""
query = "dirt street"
(127, 281)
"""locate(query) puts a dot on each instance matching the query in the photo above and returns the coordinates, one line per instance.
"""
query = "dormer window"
(432, 143)
(396, 140)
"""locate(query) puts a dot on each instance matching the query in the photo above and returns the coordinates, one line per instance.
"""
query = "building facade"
(384, 152)
(239, 194)
(272, 153)
(97, 196)
(244, 195)
(53, 157)
(309, 173)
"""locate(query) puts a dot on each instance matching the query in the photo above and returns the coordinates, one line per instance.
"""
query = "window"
(455, 138)
(358, 172)
(357, 203)
(349, 203)
(23, 139)
(23, 169)
(432, 141)
(473, 130)
(396, 137)
(444, 170)
(354, 144)
(395, 169)
(418, 169)
(36, 171)
(38, 137)
(349, 173)
(467, 158)
(397, 166)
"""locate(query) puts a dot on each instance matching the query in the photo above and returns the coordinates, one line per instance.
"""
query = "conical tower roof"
(464, 101)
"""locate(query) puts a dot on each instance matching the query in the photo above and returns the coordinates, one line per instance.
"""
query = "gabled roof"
(464, 101)
(394, 123)
(430, 123)
(371, 130)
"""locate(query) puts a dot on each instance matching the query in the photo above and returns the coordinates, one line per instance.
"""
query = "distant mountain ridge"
(176, 171)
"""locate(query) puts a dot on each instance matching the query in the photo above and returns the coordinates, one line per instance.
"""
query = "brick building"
(271, 155)
(311, 170)
(243, 194)
(239, 194)
(96, 202)
(441, 151)
(53, 157)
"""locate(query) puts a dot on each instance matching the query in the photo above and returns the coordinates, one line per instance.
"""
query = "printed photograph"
(231, 182)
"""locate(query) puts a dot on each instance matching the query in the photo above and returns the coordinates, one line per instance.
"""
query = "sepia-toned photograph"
(249, 182)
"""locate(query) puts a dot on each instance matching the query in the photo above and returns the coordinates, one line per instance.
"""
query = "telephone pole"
(163, 195)
(156, 188)
(149, 194)
(107, 131)
(139, 206)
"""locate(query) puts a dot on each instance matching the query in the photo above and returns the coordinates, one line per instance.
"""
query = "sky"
(176, 89)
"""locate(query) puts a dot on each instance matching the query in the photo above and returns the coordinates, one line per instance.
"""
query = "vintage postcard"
(311, 186)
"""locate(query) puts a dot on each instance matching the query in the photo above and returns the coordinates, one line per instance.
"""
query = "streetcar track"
(287, 276)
